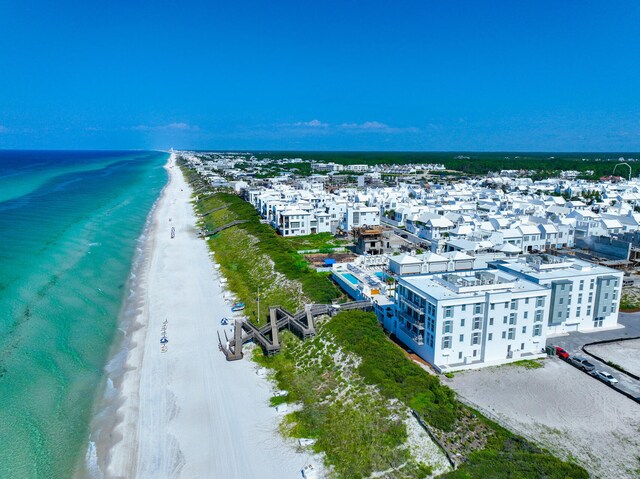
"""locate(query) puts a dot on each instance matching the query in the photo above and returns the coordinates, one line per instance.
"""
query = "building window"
(591, 285)
(581, 284)
(448, 312)
(446, 342)
(447, 327)
(462, 322)
(526, 314)
(490, 321)
(493, 306)
(475, 353)
(514, 304)
(559, 314)
(512, 318)
(476, 323)
(526, 301)
(538, 318)
(578, 311)
(490, 336)
(477, 309)
(464, 307)
(512, 333)
(504, 334)
(590, 297)
(540, 303)
(475, 339)
(589, 311)
(524, 329)
(521, 346)
(537, 330)
(561, 301)
(504, 320)
(462, 338)
(460, 355)
(606, 295)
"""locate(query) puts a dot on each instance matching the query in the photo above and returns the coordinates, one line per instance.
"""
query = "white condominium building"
(584, 296)
(470, 319)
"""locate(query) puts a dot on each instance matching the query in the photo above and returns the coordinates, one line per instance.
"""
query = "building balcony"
(412, 305)
(418, 338)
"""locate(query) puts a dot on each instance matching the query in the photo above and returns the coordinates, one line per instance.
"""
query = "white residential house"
(360, 215)
(508, 236)
(549, 234)
(294, 222)
(610, 227)
(436, 228)
(587, 223)
(531, 238)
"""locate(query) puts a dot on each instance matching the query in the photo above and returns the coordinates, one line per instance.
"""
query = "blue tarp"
(330, 261)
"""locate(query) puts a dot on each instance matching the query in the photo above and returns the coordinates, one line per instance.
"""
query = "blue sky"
(323, 75)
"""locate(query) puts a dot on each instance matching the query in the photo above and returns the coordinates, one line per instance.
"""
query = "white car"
(605, 377)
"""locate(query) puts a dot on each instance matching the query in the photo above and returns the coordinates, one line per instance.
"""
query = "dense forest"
(480, 163)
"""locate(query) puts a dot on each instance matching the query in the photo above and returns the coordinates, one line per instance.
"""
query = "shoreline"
(186, 412)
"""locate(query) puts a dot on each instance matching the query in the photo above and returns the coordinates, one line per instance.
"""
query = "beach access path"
(187, 412)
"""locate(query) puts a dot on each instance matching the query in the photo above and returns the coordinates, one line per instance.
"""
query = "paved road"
(573, 343)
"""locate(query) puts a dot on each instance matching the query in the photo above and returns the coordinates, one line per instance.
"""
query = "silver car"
(605, 377)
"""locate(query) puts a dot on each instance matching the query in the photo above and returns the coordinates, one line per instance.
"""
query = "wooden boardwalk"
(206, 213)
(302, 323)
(207, 233)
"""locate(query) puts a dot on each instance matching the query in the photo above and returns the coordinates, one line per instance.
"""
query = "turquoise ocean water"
(69, 228)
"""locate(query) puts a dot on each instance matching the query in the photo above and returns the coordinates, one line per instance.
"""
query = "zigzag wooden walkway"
(301, 323)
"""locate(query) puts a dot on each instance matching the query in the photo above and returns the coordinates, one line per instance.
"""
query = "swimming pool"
(380, 274)
(351, 278)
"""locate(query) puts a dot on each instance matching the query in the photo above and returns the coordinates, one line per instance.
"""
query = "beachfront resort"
(461, 275)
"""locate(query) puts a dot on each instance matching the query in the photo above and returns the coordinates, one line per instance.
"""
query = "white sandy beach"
(188, 413)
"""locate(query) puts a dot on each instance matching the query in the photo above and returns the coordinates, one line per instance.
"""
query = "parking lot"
(622, 352)
(565, 410)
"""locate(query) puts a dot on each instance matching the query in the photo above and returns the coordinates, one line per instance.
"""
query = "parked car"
(582, 363)
(605, 377)
(561, 353)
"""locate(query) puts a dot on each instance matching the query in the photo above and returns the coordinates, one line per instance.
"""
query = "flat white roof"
(470, 284)
(556, 267)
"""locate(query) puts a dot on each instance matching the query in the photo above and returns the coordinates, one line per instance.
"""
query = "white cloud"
(367, 125)
(313, 123)
(178, 126)
(377, 126)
